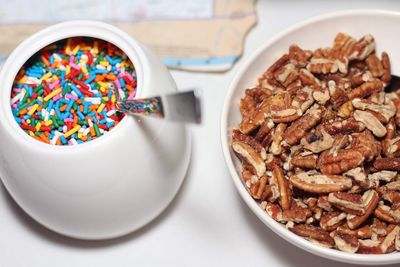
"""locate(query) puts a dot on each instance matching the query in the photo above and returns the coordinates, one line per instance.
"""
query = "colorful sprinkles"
(146, 106)
(64, 94)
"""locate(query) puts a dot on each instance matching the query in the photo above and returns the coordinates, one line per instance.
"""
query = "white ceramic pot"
(107, 187)
(311, 34)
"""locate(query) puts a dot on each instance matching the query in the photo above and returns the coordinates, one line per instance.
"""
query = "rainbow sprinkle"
(64, 94)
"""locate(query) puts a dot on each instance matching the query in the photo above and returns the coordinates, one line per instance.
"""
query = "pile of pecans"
(320, 146)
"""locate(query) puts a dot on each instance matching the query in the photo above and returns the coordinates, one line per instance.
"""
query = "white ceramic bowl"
(107, 187)
(311, 34)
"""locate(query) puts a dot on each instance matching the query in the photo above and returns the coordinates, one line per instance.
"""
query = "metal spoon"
(180, 106)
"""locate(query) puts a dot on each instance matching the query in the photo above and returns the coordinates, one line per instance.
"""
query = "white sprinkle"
(86, 131)
(73, 141)
(18, 96)
(57, 57)
(121, 94)
(90, 122)
(100, 67)
(45, 114)
(33, 80)
(93, 100)
(111, 112)
(53, 141)
(65, 129)
(73, 93)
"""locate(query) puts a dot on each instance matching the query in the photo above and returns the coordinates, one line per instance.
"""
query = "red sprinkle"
(28, 127)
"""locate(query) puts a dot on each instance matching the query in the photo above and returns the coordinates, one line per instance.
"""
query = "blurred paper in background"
(202, 35)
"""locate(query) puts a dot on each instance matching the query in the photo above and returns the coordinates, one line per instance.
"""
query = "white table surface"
(207, 224)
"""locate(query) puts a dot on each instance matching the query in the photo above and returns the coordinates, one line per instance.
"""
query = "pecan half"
(276, 147)
(387, 111)
(369, 201)
(389, 243)
(328, 60)
(265, 128)
(392, 164)
(369, 246)
(248, 154)
(374, 65)
(257, 189)
(297, 213)
(297, 130)
(274, 211)
(340, 162)
(284, 190)
(345, 242)
(318, 183)
(313, 234)
(238, 136)
(363, 48)
(363, 232)
(366, 89)
(388, 214)
(371, 122)
(305, 162)
(344, 126)
(320, 145)
(332, 220)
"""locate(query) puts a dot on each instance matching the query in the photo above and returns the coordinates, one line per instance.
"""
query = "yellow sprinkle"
(72, 131)
(23, 79)
(68, 48)
(28, 121)
(105, 98)
(102, 89)
(96, 47)
(113, 98)
(67, 69)
(33, 109)
(40, 98)
(48, 123)
(84, 69)
(38, 125)
(76, 49)
(79, 135)
(101, 107)
(102, 84)
(83, 60)
(31, 133)
(104, 63)
(51, 95)
(46, 76)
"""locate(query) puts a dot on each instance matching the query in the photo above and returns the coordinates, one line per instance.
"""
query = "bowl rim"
(52, 34)
(276, 227)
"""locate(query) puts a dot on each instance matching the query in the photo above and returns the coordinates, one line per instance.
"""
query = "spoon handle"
(180, 107)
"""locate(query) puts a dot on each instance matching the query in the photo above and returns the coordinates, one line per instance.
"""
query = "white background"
(207, 224)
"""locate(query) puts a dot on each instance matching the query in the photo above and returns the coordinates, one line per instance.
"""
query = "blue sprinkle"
(63, 140)
(70, 104)
(80, 115)
(110, 60)
(92, 77)
(50, 106)
(122, 82)
(76, 90)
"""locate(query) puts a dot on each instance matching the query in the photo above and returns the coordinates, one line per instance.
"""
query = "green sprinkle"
(96, 130)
